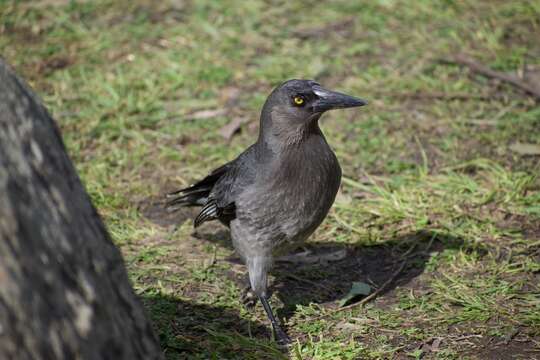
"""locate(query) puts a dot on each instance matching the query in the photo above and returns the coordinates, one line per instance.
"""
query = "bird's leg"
(249, 298)
(281, 336)
(258, 267)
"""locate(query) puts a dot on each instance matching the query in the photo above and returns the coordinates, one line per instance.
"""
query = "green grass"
(436, 176)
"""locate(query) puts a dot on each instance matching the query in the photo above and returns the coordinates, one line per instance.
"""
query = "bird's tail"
(196, 194)
(190, 196)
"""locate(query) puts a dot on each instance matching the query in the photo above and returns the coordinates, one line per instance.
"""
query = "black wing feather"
(196, 194)
(208, 212)
(199, 194)
(218, 191)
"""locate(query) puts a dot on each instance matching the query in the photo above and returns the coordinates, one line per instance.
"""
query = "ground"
(437, 182)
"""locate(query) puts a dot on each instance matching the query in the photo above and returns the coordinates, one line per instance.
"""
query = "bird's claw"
(248, 298)
(281, 336)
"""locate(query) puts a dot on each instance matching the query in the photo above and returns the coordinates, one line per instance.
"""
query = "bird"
(278, 191)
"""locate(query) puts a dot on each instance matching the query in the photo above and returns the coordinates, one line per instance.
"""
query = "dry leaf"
(358, 288)
(525, 148)
(232, 127)
(206, 114)
(436, 344)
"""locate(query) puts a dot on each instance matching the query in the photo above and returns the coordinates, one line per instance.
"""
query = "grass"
(123, 79)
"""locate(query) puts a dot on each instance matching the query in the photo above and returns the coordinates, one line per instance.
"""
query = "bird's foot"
(248, 298)
(281, 336)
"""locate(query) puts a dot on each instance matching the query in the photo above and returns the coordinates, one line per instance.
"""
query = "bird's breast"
(314, 183)
(291, 196)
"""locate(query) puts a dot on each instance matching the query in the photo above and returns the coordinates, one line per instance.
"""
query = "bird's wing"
(217, 191)
(196, 194)
(212, 211)
(221, 200)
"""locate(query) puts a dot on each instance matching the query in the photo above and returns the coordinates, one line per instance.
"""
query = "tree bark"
(64, 291)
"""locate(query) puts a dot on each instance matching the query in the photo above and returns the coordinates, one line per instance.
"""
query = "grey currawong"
(279, 190)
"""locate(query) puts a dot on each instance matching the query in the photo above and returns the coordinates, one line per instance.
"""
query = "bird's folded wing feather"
(217, 192)
(196, 194)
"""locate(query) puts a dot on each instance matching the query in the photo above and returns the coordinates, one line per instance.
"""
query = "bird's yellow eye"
(298, 100)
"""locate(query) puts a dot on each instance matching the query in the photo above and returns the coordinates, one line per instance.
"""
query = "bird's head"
(295, 106)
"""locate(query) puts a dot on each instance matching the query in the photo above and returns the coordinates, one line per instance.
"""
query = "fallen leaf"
(358, 288)
(206, 114)
(343, 199)
(436, 344)
(525, 148)
(232, 127)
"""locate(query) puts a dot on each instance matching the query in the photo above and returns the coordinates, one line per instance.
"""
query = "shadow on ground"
(325, 281)
(188, 330)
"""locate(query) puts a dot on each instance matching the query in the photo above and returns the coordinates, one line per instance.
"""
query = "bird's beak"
(329, 100)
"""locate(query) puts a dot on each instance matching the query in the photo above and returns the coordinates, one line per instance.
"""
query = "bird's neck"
(280, 134)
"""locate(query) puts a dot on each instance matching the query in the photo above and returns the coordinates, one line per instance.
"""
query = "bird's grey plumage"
(278, 191)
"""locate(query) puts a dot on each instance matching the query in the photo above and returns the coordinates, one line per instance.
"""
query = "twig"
(376, 292)
(481, 69)
(298, 278)
(441, 96)
(406, 256)
(465, 337)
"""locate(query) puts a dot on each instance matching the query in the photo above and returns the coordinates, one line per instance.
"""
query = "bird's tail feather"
(185, 197)
(196, 194)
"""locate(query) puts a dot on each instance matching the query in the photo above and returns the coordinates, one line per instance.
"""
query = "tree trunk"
(64, 291)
